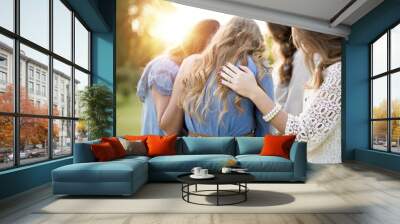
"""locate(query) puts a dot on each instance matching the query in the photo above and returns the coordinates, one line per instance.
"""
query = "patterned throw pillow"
(134, 148)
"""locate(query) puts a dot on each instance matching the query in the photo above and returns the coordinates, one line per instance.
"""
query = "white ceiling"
(324, 16)
(320, 9)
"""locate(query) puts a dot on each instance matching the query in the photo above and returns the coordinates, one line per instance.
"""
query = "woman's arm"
(316, 123)
(172, 119)
(244, 83)
(160, 101)
(262, 127)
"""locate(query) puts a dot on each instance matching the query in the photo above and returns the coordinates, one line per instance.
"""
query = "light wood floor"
(378, 188)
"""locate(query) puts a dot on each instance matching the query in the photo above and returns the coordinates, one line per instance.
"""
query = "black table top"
(220, 178)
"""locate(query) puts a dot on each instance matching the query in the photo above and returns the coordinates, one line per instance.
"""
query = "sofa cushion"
(137, 147)
(257, 163)
(249, 145)
(161, 145)
(103, 152)
(83, 152)
(277, 145)
(207, 145)
(116, 145)
(185, 163)
(112, 171)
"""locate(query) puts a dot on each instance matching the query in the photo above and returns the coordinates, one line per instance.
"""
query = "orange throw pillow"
(161, 145)
(116, 145)
(103, 151)
(275, 145)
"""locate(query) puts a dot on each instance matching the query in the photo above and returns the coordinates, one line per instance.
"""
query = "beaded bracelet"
(272, 113)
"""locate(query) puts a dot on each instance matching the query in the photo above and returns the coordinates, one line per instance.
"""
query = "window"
(7, 142)
(62, 29)
(3, 61)
(81, 45)
(62, 137)
(38, 89)
(30, 72)
(38, 74)
(3, 72)
(34, 21)
(30, 87)
(81, 82)
(6, 73)
(44, 91)
(385, 94)
(7, 14)
(3, 78)
(45, 77)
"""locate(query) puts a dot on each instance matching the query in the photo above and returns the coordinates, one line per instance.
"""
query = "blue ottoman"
(118, 177)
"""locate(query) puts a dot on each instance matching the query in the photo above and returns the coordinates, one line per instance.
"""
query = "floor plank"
(353, 182)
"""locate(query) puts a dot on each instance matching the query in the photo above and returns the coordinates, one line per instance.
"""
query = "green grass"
(129, 115)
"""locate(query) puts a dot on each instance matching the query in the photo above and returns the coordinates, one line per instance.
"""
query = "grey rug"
(166, 198)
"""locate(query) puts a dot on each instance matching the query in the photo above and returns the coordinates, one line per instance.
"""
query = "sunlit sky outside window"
(35, 27)
(6, 14)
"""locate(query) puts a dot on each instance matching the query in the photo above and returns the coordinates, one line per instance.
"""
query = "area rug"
(166, 198)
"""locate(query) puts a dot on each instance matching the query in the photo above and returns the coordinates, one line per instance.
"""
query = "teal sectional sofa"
(125, 176)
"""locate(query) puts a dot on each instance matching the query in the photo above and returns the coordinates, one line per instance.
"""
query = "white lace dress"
(319, 123)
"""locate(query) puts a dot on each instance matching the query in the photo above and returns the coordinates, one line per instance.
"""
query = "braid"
(286, 68)
(282, 35)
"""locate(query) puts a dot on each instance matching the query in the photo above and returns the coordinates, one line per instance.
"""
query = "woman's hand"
(241, 80)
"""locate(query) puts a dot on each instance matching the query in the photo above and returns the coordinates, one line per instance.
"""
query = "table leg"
(245, 193)
(217, 194)
(188, 190)
(195, 188)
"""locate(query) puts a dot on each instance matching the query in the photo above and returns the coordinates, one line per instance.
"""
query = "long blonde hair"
(233, 43)
(327, 47)
(195, 41)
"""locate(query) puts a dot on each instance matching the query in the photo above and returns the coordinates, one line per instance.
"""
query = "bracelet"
(272, 113)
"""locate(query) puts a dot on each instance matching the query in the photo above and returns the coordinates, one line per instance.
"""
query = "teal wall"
(24, 178)
(356, 86)
(103, 53)
(99, 15)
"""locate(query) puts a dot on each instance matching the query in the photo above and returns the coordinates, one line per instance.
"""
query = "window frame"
(16, 115)
(388, 74)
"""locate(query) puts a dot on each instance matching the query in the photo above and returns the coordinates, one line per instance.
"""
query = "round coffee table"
(238, 179)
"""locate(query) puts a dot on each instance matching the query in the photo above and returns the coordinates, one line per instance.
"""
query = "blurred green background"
(135, 48)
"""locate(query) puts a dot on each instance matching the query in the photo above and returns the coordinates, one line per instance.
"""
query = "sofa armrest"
(298, 155)
(83, 152)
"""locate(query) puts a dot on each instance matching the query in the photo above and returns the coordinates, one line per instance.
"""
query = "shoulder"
(333, 75)
(334, 70)
(163, 62)
(187, 64)
(189, 61)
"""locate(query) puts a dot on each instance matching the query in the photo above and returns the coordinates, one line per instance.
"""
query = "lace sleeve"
(162, 77)
(319, 119)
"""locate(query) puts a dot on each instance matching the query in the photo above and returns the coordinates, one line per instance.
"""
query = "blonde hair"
(327, 47)
(233, 43)
(195, 41)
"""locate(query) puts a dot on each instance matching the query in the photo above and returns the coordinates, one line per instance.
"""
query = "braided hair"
(282, 35)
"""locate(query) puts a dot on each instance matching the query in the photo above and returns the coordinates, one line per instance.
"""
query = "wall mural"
(194, 72)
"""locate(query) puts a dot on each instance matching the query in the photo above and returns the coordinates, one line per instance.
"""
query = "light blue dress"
(159, 73)
(234, 122)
